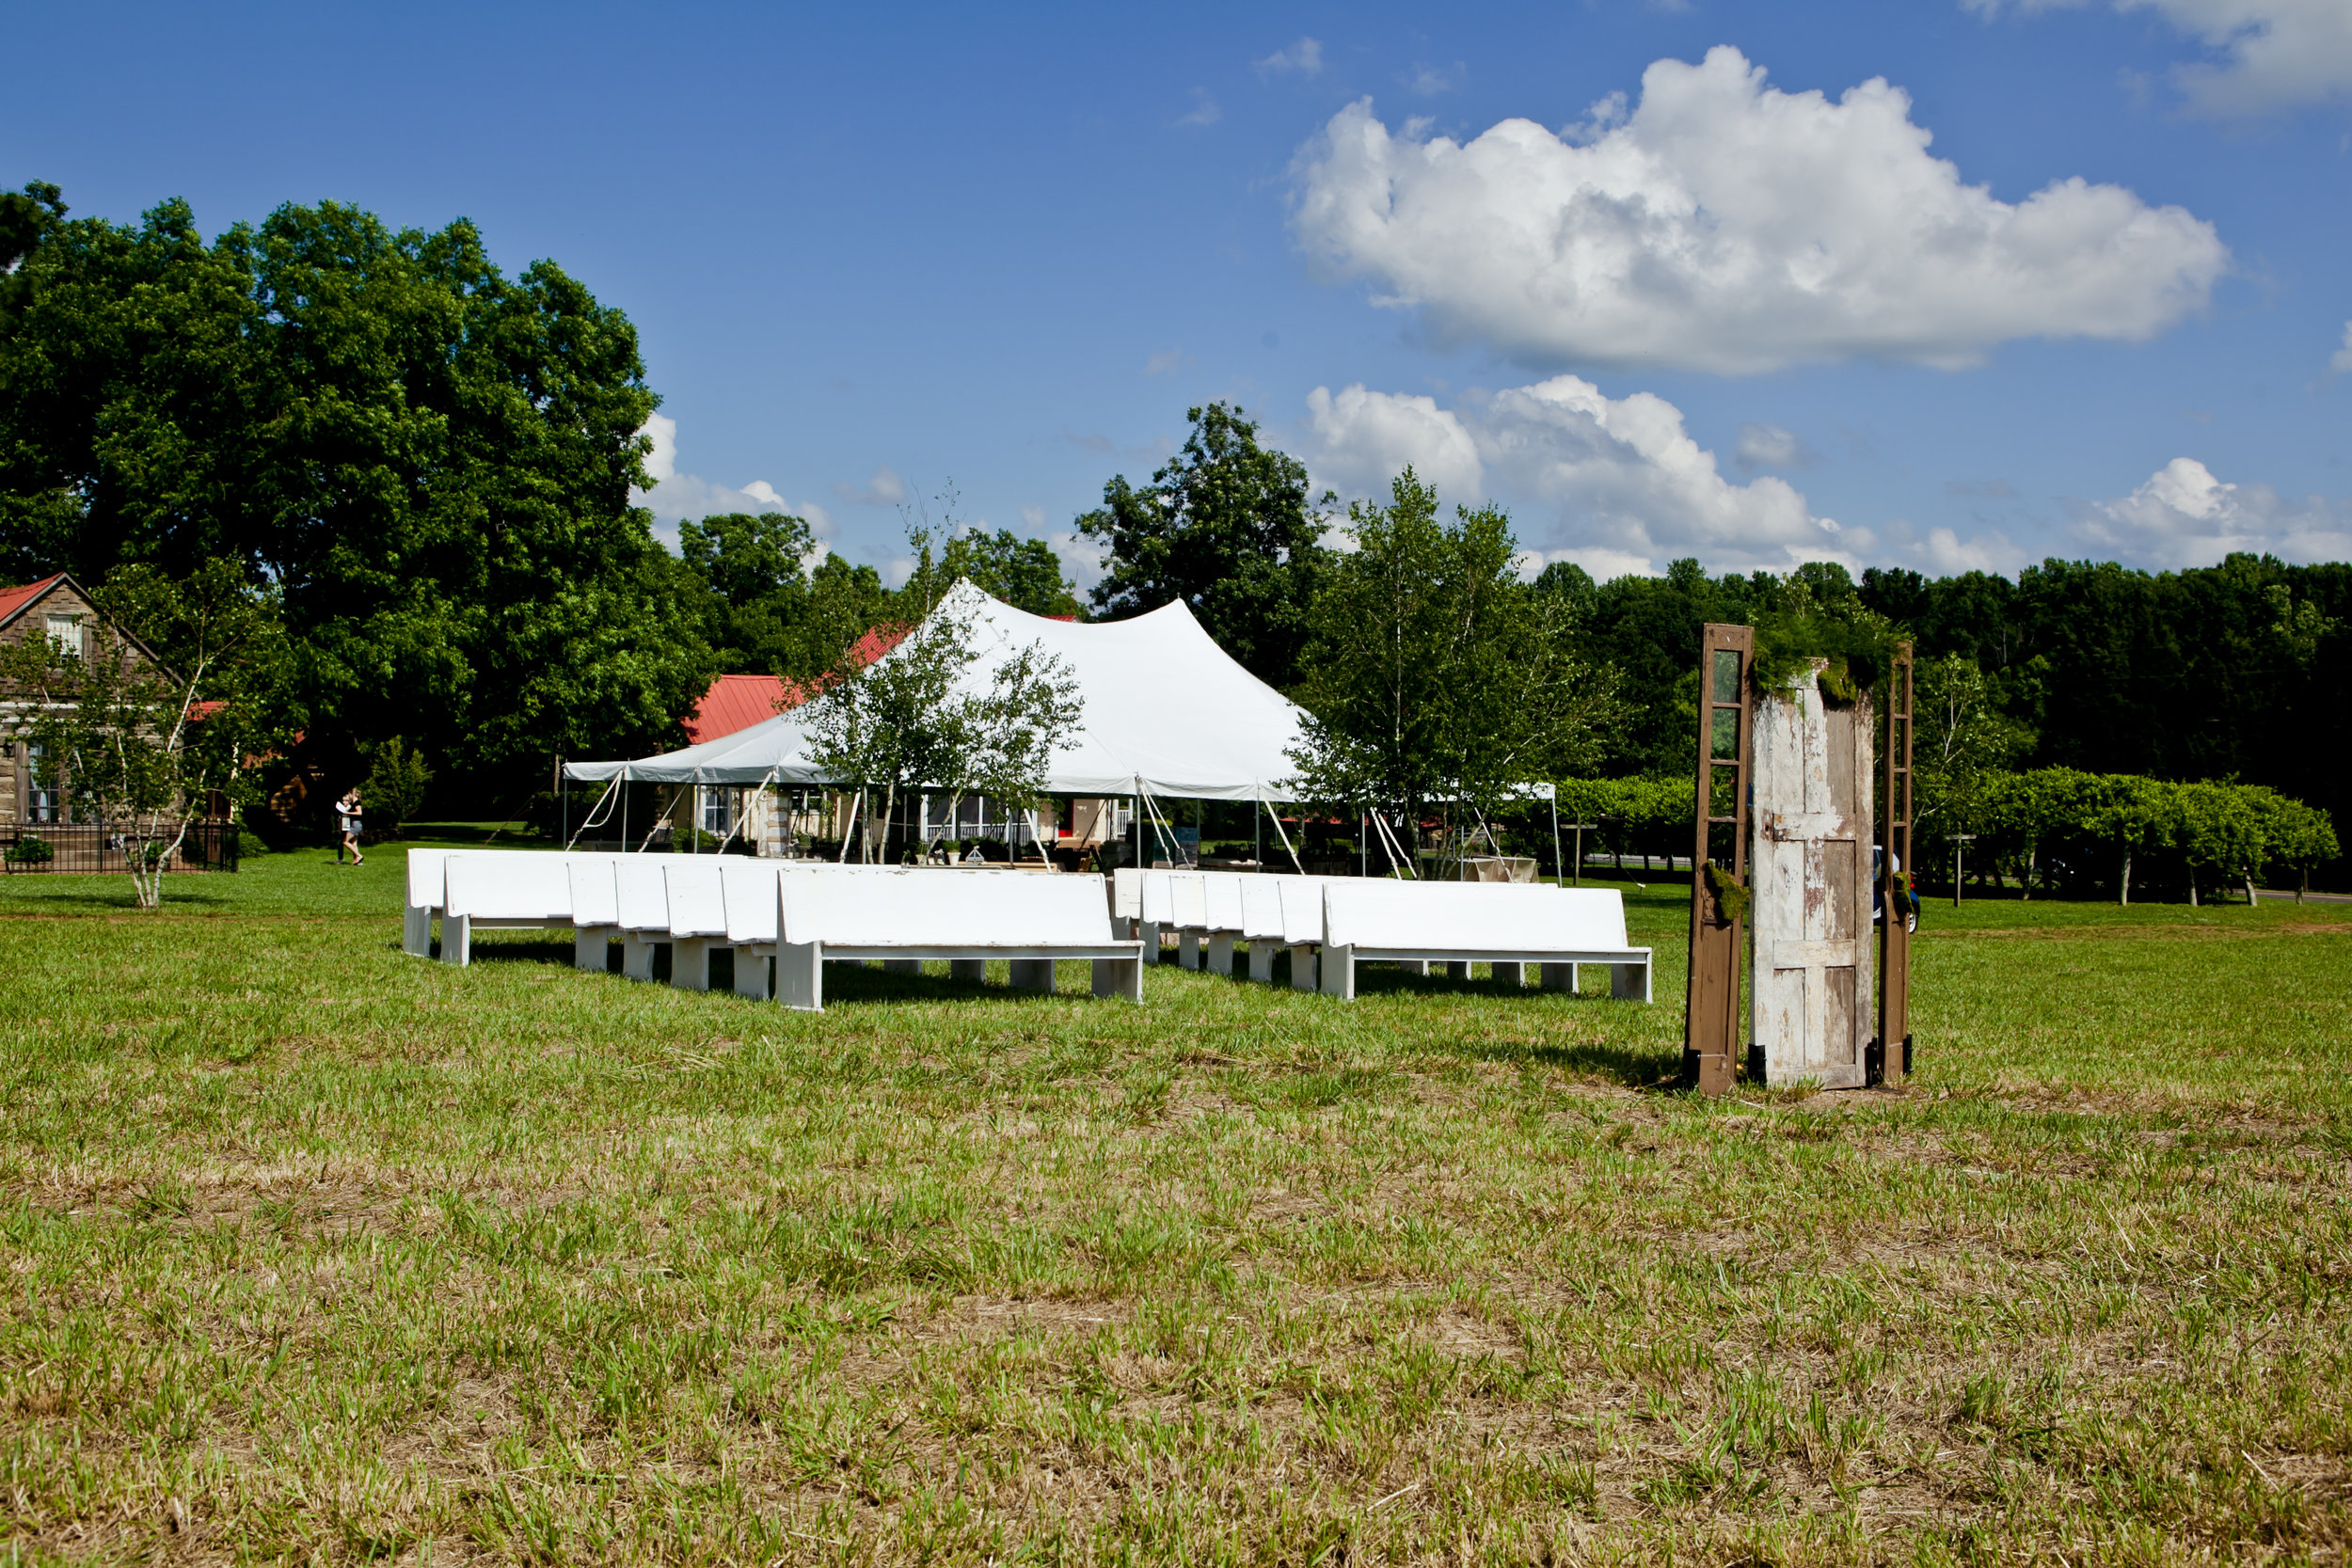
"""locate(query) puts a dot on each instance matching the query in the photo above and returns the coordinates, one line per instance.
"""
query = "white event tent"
(1167, 713)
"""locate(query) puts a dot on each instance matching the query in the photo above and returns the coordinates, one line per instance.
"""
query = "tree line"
(421, 473)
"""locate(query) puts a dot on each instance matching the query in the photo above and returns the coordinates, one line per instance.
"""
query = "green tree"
(430, 461)
(919, 717)
(1434, 674)
(1230, 529)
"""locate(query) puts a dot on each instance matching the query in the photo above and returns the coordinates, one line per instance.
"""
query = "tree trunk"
(2192, 887)
(2127, 878)
(2025, 882)
(2252, 898)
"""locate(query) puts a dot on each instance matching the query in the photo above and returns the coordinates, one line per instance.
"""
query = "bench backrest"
(594, 901)
(1127, 893)
(1261, 908)
(641, 894)
(918, 908)
(1302, 908)
(427, 887)
(749, 888)
(697, 906)
(525, 886)
(1471, 916)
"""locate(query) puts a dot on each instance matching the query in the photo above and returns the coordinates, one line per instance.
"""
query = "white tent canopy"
(1166, 712)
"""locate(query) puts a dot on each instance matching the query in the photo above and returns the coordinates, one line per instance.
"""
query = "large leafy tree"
(1434, 674)
(426, 464)
(1230, 529)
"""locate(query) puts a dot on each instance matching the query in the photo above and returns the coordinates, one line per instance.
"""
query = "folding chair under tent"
(1168, 715)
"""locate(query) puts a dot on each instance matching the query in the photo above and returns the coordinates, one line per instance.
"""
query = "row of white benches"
(802, 913)
(1328, 925)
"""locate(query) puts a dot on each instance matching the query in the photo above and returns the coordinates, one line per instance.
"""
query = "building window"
(718, 808)
(41, 801)
(65, 632)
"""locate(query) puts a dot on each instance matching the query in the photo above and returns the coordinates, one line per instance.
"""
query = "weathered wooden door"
(1813, 1010)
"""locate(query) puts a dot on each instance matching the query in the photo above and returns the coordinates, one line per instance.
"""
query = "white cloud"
(1034, 516)
(2343, 360)
(884, 489)
(1624, 485)
(1170, 359)
(678, 496)
(1431, 80)
(2184, 516)
(1081, 557)
(1364, 439)
(2270, 54)
(1725, 225)
(1768, 446)
(1204, 111)
(1305, 57)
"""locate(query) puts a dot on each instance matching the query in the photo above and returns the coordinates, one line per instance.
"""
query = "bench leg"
(636, 956)
(1302, 969)
(801, 975)
(970, 971)
(1118, 978)
(689, 963)
(1033, 974)
(1560, 977)
(1149, 931)
(902, 966)
(1511, 975)
(1261, 962)
(1414, 966)
(416, 931)
(1188, 950)
(1221, 953)
(1458, 969)
(456, 940)
(1627, 981)
(588, 948)
(750, 974)
(1338, 973)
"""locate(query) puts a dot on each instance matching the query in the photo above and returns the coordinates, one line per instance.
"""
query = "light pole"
(1958, 839)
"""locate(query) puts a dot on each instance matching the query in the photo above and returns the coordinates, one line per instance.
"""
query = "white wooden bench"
(501, 892)
(1458, 923)
(906, 916)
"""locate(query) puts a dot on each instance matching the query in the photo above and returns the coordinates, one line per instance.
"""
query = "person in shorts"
(347, 822)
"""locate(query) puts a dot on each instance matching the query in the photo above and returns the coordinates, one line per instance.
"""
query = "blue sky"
(1663, 278)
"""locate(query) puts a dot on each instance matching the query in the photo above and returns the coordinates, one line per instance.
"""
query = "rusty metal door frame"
(1713, 1031)
(1894, 1033)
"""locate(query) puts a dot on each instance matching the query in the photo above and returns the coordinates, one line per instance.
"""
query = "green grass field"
(315, 1251)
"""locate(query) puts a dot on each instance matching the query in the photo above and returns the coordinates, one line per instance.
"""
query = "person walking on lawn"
(348, 820)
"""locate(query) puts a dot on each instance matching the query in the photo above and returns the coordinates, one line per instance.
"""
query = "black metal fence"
(96, 847)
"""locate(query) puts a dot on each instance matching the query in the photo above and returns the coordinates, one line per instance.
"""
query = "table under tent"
(1168, 721)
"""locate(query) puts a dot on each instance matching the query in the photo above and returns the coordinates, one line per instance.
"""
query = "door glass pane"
(1726, 675)
(1724, 744)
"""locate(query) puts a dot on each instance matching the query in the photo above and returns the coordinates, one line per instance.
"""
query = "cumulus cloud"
(1305, 57)
(677, 496)
(2343, 360)
(1618, 484)
(2268, 55)
(1167, 360)
(1723, 225)
(2183, 515)
(1205, 110)
(884, 489)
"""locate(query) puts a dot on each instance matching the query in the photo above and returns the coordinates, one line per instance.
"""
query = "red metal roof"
(737, 701)
(15, 599)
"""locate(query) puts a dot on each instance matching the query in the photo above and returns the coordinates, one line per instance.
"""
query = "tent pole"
(624, 808)
(563, 802)
(1257, 838)
(1559, 868)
